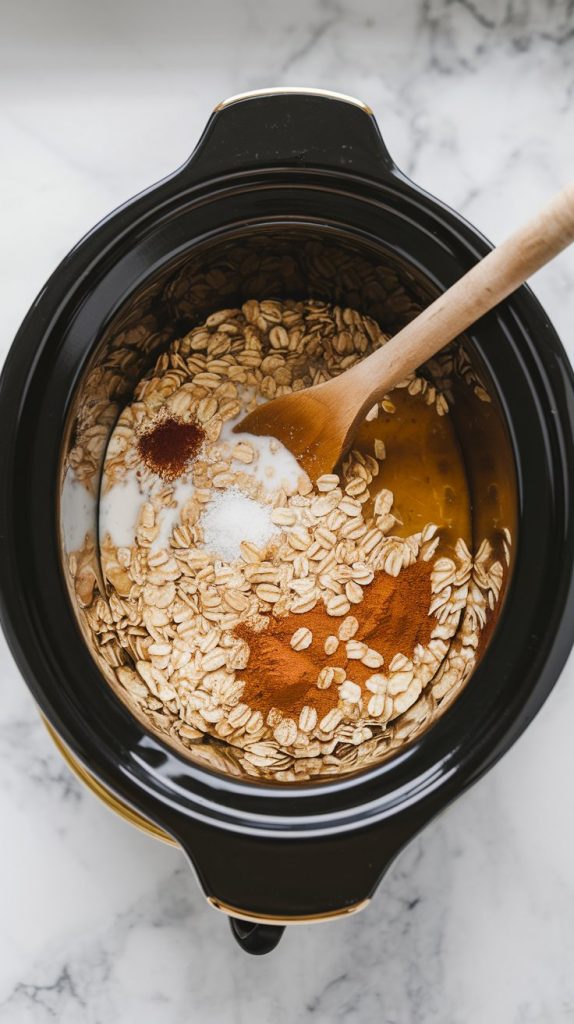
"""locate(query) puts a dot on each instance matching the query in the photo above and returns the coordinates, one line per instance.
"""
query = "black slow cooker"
(277, 174)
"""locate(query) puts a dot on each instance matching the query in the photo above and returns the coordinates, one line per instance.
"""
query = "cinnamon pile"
(393, 618)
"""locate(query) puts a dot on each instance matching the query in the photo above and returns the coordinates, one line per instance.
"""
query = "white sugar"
(230, 518)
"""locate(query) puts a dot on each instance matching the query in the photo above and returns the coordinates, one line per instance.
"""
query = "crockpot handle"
(289, 128)
(263, 882)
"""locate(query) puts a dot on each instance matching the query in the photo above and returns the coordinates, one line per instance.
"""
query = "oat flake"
(230, 518)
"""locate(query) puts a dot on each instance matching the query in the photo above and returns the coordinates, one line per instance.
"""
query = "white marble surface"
(475, 922)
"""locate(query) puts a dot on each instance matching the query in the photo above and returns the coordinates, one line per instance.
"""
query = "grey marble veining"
(475, 921)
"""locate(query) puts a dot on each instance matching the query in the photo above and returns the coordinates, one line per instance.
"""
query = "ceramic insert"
(264, 625)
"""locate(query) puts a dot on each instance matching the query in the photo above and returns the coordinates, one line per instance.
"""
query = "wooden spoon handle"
(485, 285)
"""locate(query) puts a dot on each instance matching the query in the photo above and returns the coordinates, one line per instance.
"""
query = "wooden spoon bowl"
(318, 424)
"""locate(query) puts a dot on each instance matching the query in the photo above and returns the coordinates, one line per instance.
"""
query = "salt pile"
(230, 518)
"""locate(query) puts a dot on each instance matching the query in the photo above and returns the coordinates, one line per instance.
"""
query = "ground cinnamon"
(170, 445)
(393, 618)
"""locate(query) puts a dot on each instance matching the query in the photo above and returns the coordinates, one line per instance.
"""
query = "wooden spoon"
(318, 424)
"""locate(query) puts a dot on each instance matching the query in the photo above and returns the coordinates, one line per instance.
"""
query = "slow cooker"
(283, 185)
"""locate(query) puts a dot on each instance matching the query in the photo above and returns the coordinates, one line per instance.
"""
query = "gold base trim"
(109, 799)
(287, 90)
(329, 915)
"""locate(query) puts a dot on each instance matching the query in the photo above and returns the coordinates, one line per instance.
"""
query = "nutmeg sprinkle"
(169, 447)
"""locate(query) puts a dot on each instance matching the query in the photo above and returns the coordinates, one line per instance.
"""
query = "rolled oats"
(356, 649)
(350, 691)
(301, 639)
(307, 718)
(337, 605)
(286, 732)
(348, 628)
(353, 592)
(173, 613)
(325, 678)
(331, 644)
(372, 659)
(327, 482)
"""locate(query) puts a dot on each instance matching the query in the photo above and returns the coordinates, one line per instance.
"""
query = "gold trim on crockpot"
(111, 801)
(329, 915)
(285, 90)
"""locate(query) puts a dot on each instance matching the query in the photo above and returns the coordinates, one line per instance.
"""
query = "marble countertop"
(475, 921)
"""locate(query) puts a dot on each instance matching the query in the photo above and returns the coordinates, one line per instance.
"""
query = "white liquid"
(119, 510)
(77, 512)
(169, 517)
(275, 466)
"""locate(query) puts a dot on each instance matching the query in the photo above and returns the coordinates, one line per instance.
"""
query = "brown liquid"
(423, 468)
